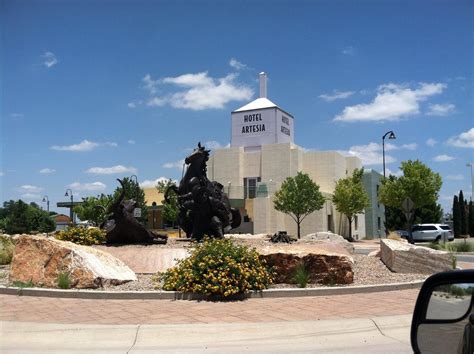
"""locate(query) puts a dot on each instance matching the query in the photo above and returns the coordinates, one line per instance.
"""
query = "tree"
(463, 216)
(170, 210)
(94, 209)
(418, 182)
(456, 217)
(298, 197)
(350, 197)
(471, 219)
(396, 220)
(17, 217)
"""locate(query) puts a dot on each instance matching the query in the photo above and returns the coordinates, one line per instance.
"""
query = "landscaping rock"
(326, 263)
(375, 253)
(402, 257)
(40, 260)
(329, 237)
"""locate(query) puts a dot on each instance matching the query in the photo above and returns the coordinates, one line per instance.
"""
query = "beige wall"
(274, 163)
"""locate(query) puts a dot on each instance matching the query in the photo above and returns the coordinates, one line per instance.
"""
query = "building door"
(250, 187)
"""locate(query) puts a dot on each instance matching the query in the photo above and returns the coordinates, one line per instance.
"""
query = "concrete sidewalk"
(365, 335)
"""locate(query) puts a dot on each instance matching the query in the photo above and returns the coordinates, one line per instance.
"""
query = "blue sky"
(95, 90)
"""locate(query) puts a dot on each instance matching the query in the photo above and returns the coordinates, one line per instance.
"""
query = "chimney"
(263, 85)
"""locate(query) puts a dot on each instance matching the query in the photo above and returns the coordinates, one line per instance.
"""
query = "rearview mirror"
(443, 321)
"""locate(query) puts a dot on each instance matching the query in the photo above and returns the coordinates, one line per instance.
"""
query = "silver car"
(431, 232)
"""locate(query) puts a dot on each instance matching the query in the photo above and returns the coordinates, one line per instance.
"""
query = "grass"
(21, 284)
(453, 246)
(64, 281)
(301, 276)
(6, 250)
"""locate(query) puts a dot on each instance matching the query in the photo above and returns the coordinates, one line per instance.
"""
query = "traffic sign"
(137, 212)
(408, 205)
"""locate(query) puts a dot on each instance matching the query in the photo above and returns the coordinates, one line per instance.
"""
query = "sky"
(92, 91)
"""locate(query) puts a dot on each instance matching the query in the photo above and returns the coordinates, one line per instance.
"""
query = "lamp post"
(46, 199)
(472, 180)
(391, 136)
(71, 212)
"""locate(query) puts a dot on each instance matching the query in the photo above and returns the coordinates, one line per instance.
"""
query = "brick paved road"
(54, 310)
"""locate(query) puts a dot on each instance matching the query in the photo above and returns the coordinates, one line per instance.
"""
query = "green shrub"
(82, 235)
(301, 276)
(6, 249)
(64, 281)
(21, 284)
(454, 261)
(220, 269)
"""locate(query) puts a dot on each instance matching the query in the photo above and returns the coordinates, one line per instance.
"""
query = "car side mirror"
(443, 320)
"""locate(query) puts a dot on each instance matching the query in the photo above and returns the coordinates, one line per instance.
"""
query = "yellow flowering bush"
(219, 268)
(82, 235)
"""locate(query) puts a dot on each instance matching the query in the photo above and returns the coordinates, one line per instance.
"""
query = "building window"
(356, 223)
(250, 187)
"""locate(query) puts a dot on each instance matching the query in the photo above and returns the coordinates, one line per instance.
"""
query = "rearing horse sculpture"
(204, 209)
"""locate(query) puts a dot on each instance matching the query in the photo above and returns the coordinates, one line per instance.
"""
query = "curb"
(174, 295)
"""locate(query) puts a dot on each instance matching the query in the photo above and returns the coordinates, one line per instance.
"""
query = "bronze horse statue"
(123, 228)
(204, 208)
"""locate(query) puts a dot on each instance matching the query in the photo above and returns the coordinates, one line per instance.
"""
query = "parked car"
(403, 233)
(431, 232)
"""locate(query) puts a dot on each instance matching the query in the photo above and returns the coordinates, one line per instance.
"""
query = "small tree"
(456, 217)
(94, 209)
(298, 197)
(471, 219)
(170, 210)
(463, 216)
(419, 183)
(350, 197)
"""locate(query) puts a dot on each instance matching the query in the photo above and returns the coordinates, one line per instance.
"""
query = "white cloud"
(111, 170)
(83, 146)
(349, 50)
(440, 109)
(177, 164)
(431, 142)
(464, 140)
(131, 105)
(389, 172)
(149, 84)
(131, 142)
(94, 186)
(392, 102)
(17, 116)
(237, 65)
(443, 158)
(47, 170)
(30, 196)
(200, 91)
(50, 59)
(2, 174)
(455, 177)
(28, 188)
(336, 95)
(214, 145)
(152, 183)
(372, 154)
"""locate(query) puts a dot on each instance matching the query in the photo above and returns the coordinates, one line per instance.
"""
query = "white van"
(431, 232)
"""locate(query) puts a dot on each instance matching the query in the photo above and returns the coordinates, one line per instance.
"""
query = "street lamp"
(46, 199)
(391, 136)
(472, 180)
(71, 212)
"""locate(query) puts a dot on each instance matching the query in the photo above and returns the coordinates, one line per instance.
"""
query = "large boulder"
(326, 263)
(40, 260)
(402, 257)
(328, 236)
